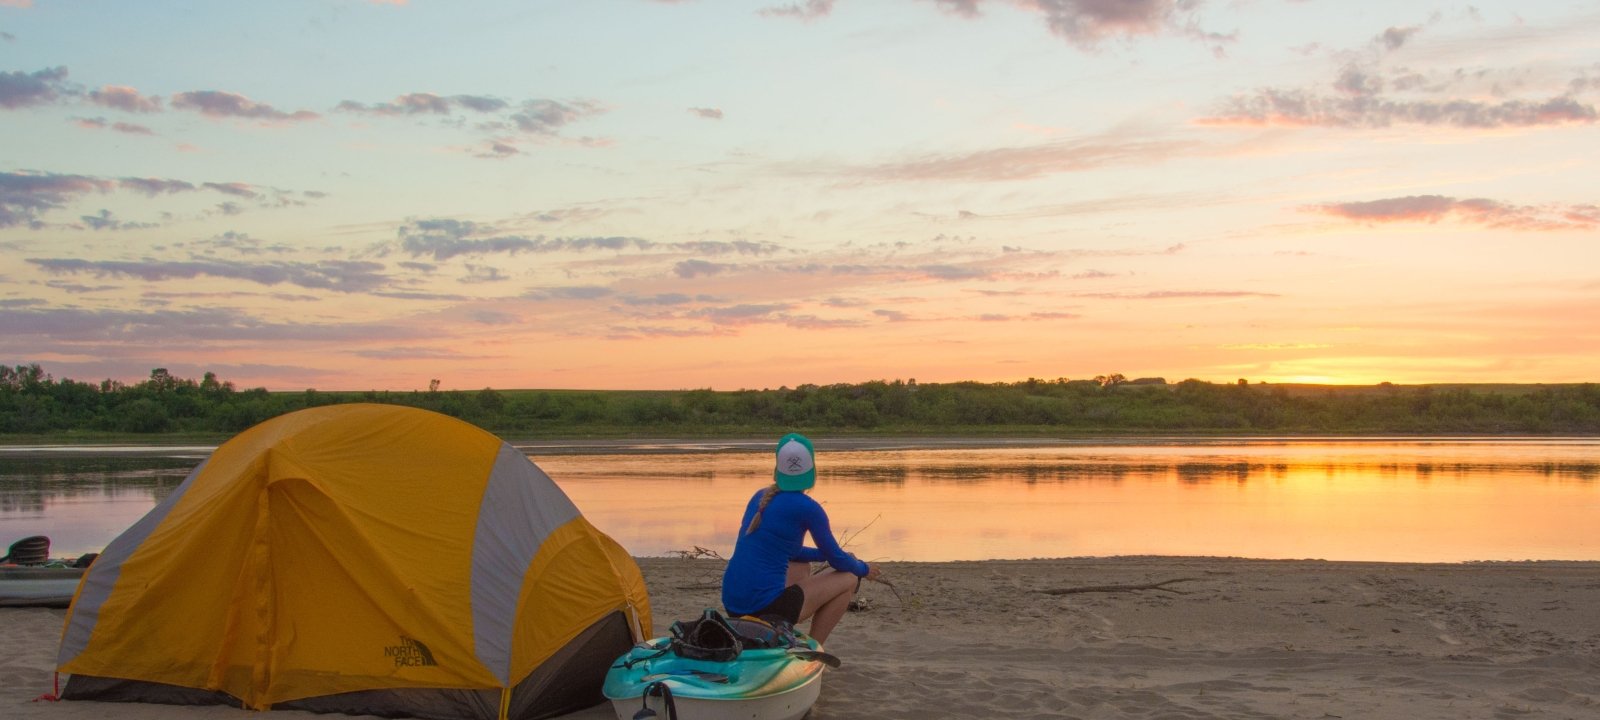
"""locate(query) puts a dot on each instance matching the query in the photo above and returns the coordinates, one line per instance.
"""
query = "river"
(1436, 499)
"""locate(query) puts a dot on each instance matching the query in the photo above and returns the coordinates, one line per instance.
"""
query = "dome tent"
(365, 559)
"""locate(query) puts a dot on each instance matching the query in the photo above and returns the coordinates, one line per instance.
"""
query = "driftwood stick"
(709, 578)
(698, 553)
(892, 588)
(846, 537)
(1162, 586)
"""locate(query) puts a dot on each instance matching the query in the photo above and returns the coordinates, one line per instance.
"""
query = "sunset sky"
(353, 194)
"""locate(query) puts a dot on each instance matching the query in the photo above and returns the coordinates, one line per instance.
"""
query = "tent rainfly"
(364, 559)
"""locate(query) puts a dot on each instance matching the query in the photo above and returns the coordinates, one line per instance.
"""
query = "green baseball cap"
(796, 468)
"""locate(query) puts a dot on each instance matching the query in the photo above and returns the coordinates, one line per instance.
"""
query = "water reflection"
(82, 501)
(1432, 499)
(1194, 472)
(31, 483)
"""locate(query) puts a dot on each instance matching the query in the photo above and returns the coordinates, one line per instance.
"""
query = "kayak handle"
(828, 659)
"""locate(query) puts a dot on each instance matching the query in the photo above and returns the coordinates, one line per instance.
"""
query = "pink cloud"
(1472, 211)
(237, 189)
(690, 269)
(1002, 317)
(337, 275)
(805, 10)
(153, 187)
(427, 103)
(1087, 23)
(121, 127)
(21, 89)
(743, 314)
(1395, 38)
(641, 332)
(545, 117)
(24, 196)
(506, 124)
(1365, 96)
(964, 8)
(496, 149)
(1179, 295)
(219, 104)
(124, 98)
(1360, 107)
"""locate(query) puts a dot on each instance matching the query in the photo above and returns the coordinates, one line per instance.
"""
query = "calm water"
(1438, 499)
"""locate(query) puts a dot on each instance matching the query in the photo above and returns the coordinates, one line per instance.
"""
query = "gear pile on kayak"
(715, 667)
(29, 577)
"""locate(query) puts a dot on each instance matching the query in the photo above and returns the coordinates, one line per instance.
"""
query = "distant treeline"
(34, 403)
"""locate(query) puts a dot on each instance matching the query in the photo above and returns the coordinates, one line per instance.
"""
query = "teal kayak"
(771, 683)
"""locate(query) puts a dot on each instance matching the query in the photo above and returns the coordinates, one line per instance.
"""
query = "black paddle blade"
(828, 659)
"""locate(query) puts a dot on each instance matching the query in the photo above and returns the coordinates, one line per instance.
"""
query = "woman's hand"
(873, 572)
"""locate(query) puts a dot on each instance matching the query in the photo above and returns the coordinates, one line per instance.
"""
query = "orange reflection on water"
(1387, 501)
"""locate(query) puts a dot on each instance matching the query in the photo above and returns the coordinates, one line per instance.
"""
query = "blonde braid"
(766, 497)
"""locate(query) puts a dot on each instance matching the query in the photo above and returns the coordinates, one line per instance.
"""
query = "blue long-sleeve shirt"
(760, 564)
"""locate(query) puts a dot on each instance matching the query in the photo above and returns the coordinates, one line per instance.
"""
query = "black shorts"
(786, 607)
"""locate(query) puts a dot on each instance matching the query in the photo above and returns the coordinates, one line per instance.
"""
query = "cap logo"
(794, 458)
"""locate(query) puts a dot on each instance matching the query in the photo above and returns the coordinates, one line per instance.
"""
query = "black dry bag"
(709, 637)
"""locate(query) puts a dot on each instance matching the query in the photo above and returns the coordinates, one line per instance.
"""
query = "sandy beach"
(1229, 638)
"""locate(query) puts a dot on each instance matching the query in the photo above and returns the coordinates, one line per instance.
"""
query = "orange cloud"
(1029, 162)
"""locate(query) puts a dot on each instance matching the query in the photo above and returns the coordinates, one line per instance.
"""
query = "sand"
(1247, 639)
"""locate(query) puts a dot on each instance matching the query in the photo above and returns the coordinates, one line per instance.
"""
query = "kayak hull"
(50, 587)
(791, 705)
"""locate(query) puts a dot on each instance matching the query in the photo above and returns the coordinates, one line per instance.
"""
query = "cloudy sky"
(354, 194)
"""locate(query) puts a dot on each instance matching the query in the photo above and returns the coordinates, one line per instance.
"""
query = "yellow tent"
(359, 559)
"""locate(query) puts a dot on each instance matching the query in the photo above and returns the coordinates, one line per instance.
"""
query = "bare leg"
(828, 595)
(797, 571)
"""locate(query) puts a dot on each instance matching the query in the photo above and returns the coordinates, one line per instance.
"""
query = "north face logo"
(410, 653)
